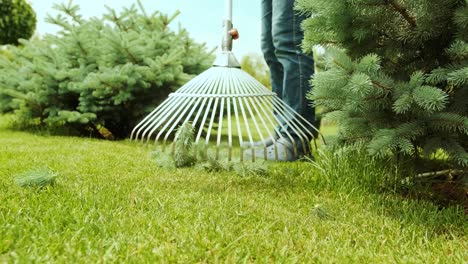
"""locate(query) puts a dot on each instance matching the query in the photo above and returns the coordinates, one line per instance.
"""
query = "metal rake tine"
(164, 116)
(192, 108)
(272, 124)
(280, 122)
(247, 126)
(254, 119)
(238, 124)
(290, 123)
(200, 79)
(282, 127)
(185, 121)
(220, 120)
(309, 124)
(220, 126)
(199, 112)
(248, 101)
(302, 121)
(145, 121)
(207, 89)
(233, 100)
(179, 118)
(173, 116)
(160, 109)
(180, 111)
(158, 119)
(202, 124)
(299, 124)
(255, 100)
(229, 113)
(289, 117)
(206, 111)
(210, 126)
(253, 89)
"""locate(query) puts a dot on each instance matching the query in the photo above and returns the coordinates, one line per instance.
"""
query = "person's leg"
(297, 67)
(268, 49)
(277, 60)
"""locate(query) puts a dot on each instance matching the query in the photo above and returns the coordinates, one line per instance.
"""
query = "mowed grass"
(112, 203)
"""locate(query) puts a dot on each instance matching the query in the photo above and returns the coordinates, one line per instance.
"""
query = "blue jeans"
(290, 68)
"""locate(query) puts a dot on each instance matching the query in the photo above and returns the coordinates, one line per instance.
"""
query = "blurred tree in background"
(17, 20)
(98, 76)
(255, 65)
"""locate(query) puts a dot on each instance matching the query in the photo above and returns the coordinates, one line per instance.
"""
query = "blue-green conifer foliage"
(396, 74)
(98, 76)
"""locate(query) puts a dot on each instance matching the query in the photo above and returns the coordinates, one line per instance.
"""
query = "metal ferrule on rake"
(226, 58)
(228, 108)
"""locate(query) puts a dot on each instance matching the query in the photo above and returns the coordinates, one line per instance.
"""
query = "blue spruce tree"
(396, 75)
(98, 76)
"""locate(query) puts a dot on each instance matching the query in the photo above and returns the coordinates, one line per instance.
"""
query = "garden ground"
(113, 203)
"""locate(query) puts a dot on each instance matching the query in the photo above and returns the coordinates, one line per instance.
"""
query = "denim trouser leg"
(290, 68)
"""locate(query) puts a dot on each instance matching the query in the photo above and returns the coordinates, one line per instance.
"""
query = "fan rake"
(230, 108)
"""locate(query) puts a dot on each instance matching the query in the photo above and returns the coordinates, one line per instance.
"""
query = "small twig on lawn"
(432, 174)
(439, 173)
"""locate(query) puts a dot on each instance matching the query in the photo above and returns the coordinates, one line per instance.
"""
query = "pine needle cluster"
(396, 74)
(244, 169)
(41, 178)
(183, 155)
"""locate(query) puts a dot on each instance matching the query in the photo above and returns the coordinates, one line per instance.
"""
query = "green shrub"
(99, 76)
(17, 20)
(396, 75)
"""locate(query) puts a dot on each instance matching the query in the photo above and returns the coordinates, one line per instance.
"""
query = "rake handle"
(228, 10)
(227, 26)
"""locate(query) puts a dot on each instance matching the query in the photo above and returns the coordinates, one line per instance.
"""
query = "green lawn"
(112, 203)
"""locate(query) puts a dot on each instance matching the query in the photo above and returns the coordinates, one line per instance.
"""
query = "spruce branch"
(381, 86)
(142, 9)
(130, 55)
(168, 20)
(147, 18)
(59, 21)
(403, 12)
(358, 138)
(13, 93)
(378, 84)
(71, 10)
(80, 45)
(183, 145)
(116, 19)
(335, 61)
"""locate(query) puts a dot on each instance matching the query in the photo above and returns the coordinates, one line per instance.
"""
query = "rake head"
(230, 109)
(227, 108)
